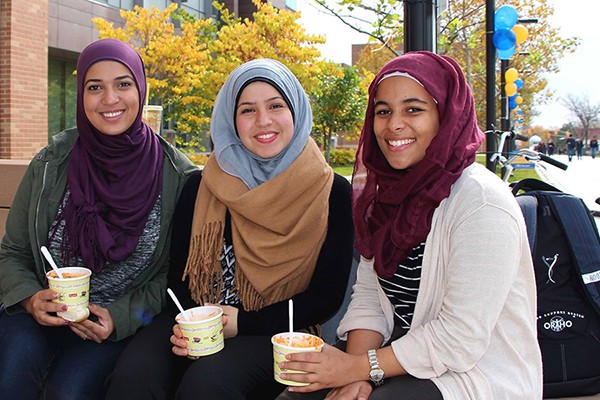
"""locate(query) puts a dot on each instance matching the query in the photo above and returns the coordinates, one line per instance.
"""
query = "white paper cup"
(204, 331)
(300, 342)
(73, 291)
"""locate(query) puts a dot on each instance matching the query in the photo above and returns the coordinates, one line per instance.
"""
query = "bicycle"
(528, 154)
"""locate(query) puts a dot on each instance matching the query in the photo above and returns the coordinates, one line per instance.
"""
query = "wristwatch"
(376, 375)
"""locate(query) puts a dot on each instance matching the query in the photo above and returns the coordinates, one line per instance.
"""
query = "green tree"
(338, 108)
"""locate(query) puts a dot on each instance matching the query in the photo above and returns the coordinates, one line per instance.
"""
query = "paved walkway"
(582, 179)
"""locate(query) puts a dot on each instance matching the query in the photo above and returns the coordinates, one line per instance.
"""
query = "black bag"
(565, 247)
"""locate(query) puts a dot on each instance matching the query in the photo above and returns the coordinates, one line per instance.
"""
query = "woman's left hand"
(97, 331)
(355, 391)
(331, 368)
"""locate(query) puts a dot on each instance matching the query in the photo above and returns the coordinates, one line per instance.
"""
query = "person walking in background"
(266, 221)
(101, 195)
(542, 147)
(571, 145)
(550, 148)
(594, 146)
(445, 270)
(579, 148)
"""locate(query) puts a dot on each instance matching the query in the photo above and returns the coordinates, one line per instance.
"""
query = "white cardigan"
(474, 327)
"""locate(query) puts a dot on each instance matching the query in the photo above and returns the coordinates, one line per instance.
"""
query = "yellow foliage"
(187, 67)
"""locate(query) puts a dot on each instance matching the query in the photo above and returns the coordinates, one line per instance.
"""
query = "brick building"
(40, 41)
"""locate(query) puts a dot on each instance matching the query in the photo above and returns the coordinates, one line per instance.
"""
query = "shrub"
(198, 158)
(342, 156)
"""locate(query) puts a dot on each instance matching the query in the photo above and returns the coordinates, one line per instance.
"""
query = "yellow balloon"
(520, 32)
(518, 99)
(510, 89)
(511, 75)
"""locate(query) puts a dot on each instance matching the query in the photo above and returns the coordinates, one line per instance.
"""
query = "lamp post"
(490, 85)
(505, 123)
(419, 25)
(507, 18)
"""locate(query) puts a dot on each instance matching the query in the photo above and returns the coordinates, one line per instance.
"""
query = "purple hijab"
(114, 180)
(393, 208)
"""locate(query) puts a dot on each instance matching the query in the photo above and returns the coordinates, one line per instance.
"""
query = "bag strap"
(528, 206)
(531, 184)
(583, 239)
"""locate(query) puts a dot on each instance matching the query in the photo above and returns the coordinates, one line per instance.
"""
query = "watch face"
(376, 375)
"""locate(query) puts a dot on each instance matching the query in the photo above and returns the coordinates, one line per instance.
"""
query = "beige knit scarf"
(278, 229)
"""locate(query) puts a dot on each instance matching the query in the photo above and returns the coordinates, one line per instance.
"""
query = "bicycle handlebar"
(554, 162)
(531, 155)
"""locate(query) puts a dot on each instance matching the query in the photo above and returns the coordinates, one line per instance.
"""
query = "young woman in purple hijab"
(101, 195)
(444, 303)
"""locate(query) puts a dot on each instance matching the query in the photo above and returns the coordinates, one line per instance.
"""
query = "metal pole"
(419, 25)
(490, 142)
(504, 115)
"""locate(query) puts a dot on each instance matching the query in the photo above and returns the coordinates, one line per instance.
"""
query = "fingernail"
(64, 308)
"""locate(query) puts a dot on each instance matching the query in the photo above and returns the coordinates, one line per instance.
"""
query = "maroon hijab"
(114, 180)
(393, 208)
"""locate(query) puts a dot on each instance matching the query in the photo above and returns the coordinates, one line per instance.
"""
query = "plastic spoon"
(178, 304)
(46, 254)
(291, 316)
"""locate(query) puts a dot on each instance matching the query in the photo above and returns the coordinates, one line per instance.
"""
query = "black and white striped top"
(403, 286)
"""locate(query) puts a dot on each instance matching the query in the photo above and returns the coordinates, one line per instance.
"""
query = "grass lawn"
(343, 170)
(517, 174)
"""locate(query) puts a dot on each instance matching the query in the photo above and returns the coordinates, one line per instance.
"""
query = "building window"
(124, 4)
(62, 95)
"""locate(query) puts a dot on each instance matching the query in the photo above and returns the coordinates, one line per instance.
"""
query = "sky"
(579, 71)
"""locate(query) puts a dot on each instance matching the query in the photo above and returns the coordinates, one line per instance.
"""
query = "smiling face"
(110, 97)
(264, 120)
(406, 120)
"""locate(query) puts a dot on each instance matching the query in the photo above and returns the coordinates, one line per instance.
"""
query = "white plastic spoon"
(178, 304)
(291, 316)
(46, 254)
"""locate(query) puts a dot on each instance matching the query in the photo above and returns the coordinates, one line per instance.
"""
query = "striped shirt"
(402, 288)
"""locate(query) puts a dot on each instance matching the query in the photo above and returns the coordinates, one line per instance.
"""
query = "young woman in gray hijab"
(266, 221)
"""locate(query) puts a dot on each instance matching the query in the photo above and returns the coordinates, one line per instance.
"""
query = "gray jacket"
(34, 208)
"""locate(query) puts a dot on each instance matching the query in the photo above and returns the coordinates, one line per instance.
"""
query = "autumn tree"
(175, 62)
(586, 113)
(272, 33)
(186, 69)
(462, 35)
(338, 108)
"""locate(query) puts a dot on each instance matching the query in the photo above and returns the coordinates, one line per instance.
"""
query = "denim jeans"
(41, 362)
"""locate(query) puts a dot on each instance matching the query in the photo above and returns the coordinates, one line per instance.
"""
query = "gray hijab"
(231, 155)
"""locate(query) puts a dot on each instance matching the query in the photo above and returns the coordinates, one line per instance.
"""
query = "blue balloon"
(506, 54)
(519, 82)
(512, 104)
(520, 112)
(504, 39)
(513, 97)
(505, 17)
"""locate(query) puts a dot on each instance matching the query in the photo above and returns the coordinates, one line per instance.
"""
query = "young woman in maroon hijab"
(101, 195)
(444, 304)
